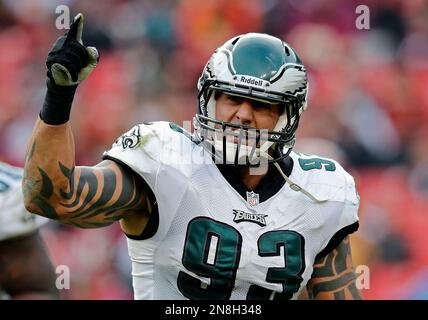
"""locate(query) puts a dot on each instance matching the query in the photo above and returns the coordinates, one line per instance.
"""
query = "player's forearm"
(335, 290)
(50, 157)
(49, 167)
(333, 277)
(86, 197)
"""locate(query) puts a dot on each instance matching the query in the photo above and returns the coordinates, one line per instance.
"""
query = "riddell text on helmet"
(252, 81)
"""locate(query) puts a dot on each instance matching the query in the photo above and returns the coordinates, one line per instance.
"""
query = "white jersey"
(212, 243)
(15, 220)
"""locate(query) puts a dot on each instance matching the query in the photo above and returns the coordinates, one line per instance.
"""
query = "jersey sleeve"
(15, 220)
(349, 221)
(139, 149)
(352, 202)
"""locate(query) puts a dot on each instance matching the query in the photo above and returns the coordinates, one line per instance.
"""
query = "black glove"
(69, 62)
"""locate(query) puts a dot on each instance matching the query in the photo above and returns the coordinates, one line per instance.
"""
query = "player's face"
(253, 113)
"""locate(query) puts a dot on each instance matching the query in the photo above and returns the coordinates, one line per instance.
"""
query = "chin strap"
(295, 186)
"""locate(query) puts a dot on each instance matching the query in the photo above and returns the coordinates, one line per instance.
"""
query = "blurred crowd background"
(368, 108)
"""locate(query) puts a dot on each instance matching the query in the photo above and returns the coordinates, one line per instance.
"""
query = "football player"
(26, 271)
(227, 211)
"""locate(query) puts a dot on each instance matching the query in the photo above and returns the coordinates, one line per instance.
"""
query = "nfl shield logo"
(252, 198)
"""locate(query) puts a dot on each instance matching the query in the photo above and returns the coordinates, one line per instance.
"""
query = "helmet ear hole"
(236, 40)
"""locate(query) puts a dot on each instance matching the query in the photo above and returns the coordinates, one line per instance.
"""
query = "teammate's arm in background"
(53, 186)
(25, 269)
(333, 277)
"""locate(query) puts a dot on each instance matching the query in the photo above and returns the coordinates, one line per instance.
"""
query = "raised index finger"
(76, 28)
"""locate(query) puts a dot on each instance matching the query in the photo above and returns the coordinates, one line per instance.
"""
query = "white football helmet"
(260, 67)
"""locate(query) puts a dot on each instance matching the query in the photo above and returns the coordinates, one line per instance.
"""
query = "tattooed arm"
(86, 197)
(333, 277)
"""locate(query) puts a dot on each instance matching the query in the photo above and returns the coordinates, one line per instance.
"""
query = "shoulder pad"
(324, 177)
